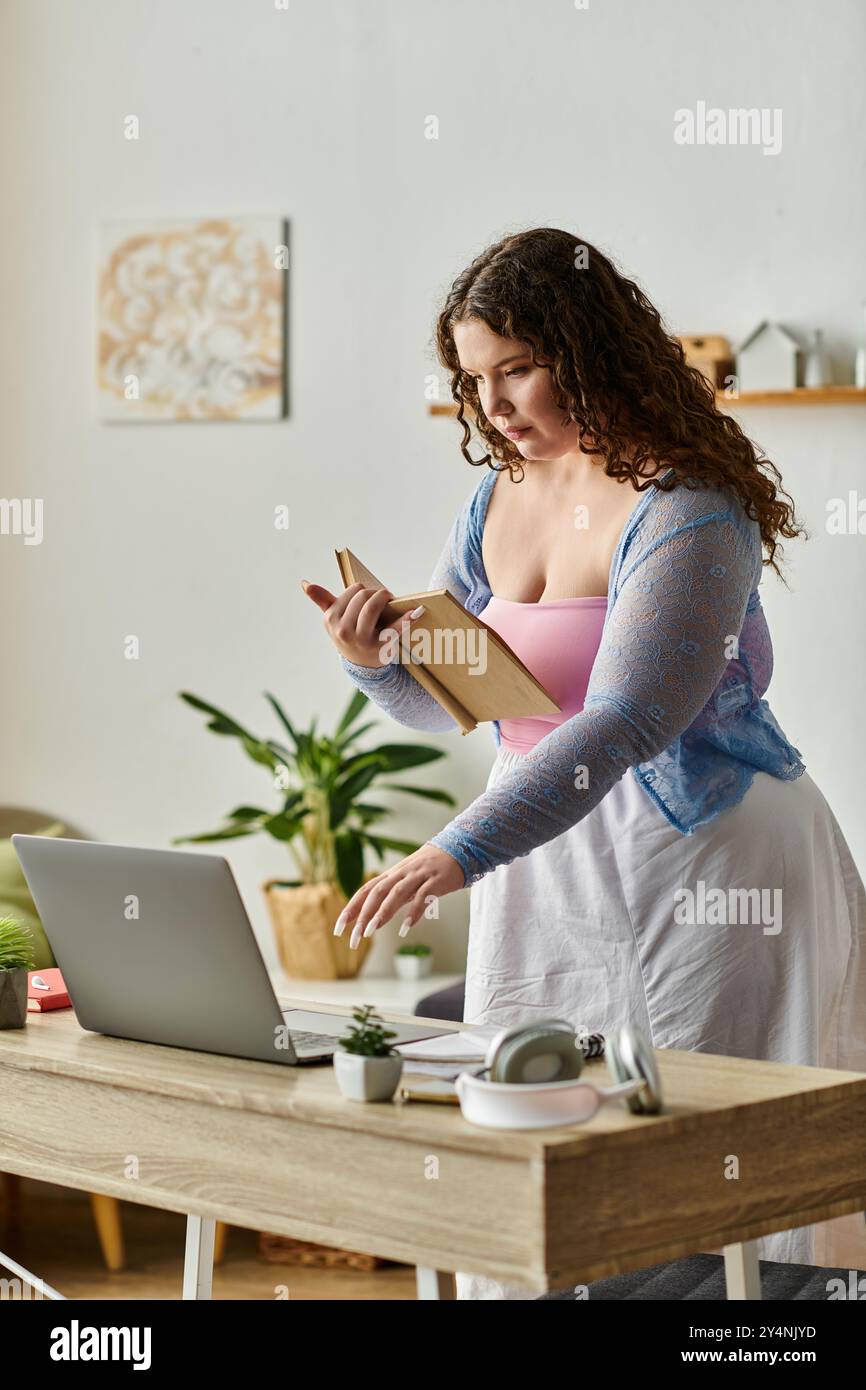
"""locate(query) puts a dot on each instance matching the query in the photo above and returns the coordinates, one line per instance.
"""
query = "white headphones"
(534, 1072)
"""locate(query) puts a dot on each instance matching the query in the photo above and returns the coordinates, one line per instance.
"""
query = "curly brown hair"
(622, 378)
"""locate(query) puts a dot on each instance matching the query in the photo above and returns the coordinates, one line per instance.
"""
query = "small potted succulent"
(413, 961)
(368, 1068)
(16, 959)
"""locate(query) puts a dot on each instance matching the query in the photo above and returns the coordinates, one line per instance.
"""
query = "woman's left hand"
(429, 872)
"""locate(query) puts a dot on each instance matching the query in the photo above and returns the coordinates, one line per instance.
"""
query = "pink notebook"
(39, 998)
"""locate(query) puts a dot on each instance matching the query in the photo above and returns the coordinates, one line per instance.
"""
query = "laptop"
(156, 945)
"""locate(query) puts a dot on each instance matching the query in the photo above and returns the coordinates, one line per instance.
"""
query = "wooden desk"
(278, 1148)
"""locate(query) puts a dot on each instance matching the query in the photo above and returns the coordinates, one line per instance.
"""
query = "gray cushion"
(444, 1003)
(702, 1277)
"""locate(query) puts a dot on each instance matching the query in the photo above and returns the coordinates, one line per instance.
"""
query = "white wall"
(550, 115)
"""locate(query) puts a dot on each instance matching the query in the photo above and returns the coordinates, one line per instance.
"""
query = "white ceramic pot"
(367, 1078)
(412, 967)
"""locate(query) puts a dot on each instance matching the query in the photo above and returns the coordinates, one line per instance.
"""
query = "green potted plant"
(16, 959)
(367, 1068)
(324, 821)
(413, 961)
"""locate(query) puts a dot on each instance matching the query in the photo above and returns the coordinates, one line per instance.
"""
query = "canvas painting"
(191, 319)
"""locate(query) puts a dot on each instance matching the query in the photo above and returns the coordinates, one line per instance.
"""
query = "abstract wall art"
(191, 319)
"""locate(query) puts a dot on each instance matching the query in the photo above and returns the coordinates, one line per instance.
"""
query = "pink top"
(557, 641)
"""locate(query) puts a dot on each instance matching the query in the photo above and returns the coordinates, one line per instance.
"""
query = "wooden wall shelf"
(803, 395)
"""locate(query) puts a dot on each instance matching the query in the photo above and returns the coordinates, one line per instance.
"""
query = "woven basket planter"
(303, 920)
(286, 1251)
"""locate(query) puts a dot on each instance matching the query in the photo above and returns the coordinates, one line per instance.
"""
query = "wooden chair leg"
(106, 1217)
(219, 1241)
(12, 1198)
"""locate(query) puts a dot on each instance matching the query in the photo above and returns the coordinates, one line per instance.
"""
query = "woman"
(656, 851)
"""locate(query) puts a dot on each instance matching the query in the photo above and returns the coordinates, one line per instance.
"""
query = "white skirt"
(591, 927)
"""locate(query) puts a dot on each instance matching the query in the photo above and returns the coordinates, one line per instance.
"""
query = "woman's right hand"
(352, 621)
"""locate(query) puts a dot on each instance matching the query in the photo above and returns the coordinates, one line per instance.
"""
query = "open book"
(456, 657)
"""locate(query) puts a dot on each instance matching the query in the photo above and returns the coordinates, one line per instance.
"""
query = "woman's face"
(514, 392)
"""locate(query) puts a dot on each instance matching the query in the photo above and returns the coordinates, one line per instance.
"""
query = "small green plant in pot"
(324, 821)
(16, 959)
(365, 1063)
(413, 961)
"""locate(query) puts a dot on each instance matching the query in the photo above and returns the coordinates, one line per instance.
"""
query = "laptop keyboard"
(311, 1042)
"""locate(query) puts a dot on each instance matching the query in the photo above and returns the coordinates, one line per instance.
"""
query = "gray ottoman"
(702, 1278)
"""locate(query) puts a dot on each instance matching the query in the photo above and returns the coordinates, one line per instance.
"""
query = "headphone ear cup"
(536, 1053)
(630, 1058)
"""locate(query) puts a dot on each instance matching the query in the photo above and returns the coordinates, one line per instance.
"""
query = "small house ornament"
(768, 360)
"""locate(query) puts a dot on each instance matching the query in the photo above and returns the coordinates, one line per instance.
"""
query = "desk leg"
(43, 1290)
(742, 1270)
(434, 1283)
(198, 1257)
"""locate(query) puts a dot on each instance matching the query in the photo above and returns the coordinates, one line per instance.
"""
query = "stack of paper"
(450, 1053)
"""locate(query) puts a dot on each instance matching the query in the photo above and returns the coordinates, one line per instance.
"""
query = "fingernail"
(371, 926)
(416, 612)
(404, 930)
(340, 924)
(355, 937)
(304, 583)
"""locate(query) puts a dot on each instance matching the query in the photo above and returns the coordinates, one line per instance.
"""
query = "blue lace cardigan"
(675, 692)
